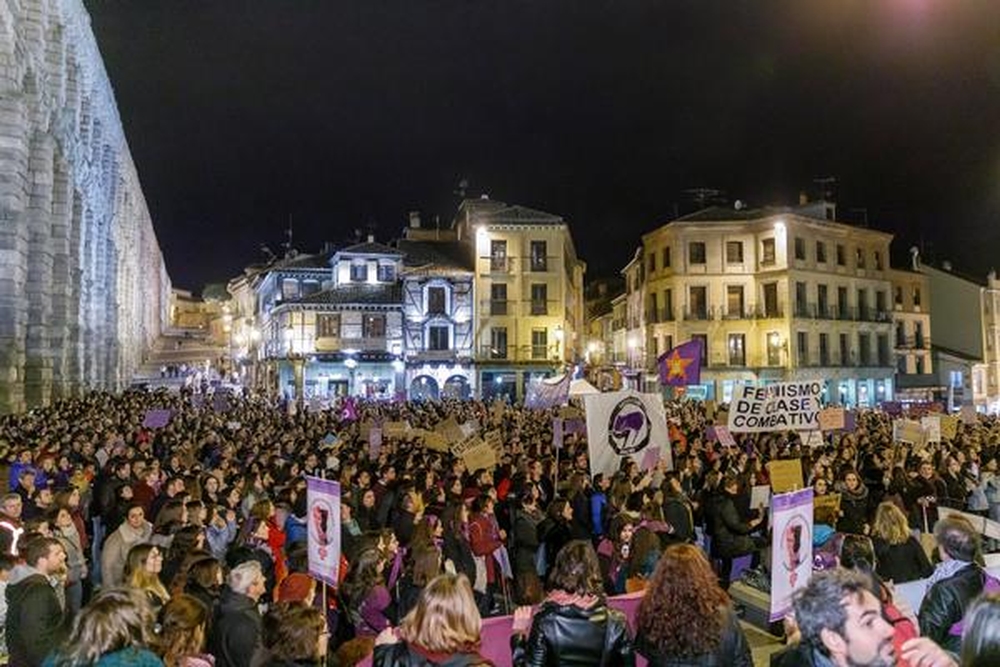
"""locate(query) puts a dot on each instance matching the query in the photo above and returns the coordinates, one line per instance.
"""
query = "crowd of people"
(185, 545)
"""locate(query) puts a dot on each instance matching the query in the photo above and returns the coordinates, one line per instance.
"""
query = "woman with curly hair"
(685, 618)
(182, 639)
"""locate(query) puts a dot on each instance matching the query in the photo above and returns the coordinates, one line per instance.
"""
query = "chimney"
(415, 219)
(915, 258)
(371, 238)
(803, 198)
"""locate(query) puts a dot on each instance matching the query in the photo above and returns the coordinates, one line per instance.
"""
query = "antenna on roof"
(289, 234)
(267, 252)
(463, 187)
(703, 196)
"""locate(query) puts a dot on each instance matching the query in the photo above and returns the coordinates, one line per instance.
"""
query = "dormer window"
(359, 272)
(386, 273)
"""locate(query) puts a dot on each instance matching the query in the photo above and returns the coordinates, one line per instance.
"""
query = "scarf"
(946, 569)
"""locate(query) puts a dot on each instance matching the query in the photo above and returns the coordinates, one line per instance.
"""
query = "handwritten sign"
(450, 430)
(812, 438)
(433, 440)
(907, 430)
(831, 419)
(475, 453)
(725, 437)
(968, 414)
(786, 475)
(831, 501)
(949, 426)
(932, 427)
(494, 439)
(783, 406)
(760, 496)
(398, 429)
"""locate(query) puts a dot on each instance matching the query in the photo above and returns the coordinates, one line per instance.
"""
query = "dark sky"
(345, 115)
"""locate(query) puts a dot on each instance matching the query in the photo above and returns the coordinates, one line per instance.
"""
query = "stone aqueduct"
(83, 286)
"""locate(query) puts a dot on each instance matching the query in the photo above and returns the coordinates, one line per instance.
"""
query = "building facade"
(911, 321)
(84, 291)
(438, 308)
(529, 314)
(774, 295)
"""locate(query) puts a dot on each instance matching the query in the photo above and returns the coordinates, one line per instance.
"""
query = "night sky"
(346, 115)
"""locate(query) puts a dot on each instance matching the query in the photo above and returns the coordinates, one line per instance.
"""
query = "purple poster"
(323, 519)
(791, 547)
(156, 418)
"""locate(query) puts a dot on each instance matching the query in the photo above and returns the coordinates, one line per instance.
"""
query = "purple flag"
(350, 413)
(543, 395)
(681, 365)
(557, 433)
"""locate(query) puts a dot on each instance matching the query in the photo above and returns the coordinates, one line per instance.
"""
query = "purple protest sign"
(574, 426)
(156, 418)
(323, 535)
(850, 420)
(220, 402)
(791, 547)
(557, 433)
(374, 442)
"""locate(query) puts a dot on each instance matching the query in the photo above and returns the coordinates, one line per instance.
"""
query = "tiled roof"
(363, 294)
(446, 255)
(369, 248)
(498, 212)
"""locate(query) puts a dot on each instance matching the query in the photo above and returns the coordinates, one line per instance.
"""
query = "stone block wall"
(84, 290)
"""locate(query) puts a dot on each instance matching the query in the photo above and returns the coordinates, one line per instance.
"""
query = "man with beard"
(36, 622)
(841, 625)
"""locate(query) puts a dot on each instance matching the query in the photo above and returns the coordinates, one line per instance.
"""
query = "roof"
(964, 356)
(369, 248)
(317, 261)
(442, 255)
(498, 212)
(728, 214)
(363, 294)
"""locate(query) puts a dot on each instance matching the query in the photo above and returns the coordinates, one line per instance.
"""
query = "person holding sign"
(730, 533)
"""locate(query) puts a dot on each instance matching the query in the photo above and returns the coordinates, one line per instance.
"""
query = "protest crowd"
(186, 543)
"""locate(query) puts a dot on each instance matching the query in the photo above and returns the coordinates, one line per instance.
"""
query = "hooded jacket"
(35, 620)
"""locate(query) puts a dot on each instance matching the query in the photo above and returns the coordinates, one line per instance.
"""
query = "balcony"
(805, 310)
(498, 263)
(518, 353)
(698, 314)
(765, 313)
(435, 355)
(495, 307)
(540, 264)
(539, 307)
(741, 313)
(904, 342)
(825, 311)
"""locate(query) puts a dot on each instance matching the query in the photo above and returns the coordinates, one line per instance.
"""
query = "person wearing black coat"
(236, 628)
(955, 583)
(730, 533)
(574, 625)
(456, 547)
(677, 511)
(36, 623)
(526, 546)
(554, 531)
(855, 505)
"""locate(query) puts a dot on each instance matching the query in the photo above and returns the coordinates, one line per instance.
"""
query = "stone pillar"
(38, 360)
(61, 293)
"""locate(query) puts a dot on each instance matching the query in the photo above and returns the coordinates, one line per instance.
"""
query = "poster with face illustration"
(791, 547)
(323, 520)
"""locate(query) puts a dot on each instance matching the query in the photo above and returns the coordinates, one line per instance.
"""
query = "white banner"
(323, 521)
(625, 424)
(783, 406)
(791, 548)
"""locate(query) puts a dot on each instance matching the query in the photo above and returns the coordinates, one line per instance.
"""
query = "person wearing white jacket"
(134, 530)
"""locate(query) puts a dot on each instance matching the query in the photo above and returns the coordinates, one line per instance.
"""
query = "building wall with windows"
(529, 317)
(775, 295)
(911, 321)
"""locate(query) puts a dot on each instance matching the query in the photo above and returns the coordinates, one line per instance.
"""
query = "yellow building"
(775, 294)
(529, 316)
(911, 319)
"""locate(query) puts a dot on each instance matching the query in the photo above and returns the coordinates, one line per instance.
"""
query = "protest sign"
(475, 453)
(791, 548)
(433, 440)
(323, 535)
(968, 414)
(623, 424)
(782, 406)
(831, 419)
(398, 429)
(557, 433)
(374, 442)
(907, 430)
(812, 438)
(949, 426)
(156, 418)
(760, 496)
(829, 500)
(469, 428)
(450, 430)
(932, 427)
(494, 439)
(724, 436)
(496, 412)
(365, 429)
(786, 475)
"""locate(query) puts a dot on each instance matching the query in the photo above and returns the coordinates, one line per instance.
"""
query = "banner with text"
(783, 406)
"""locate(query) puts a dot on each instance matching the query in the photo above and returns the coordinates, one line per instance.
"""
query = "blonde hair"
(139, 577)
(446, 619)
(116, 619)
(891, 524)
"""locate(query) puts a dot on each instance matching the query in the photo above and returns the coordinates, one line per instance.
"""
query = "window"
(668, 305)
(864, 349)
(767, 251)
(820, 252)
(901, 364)
(802, 350)
(359, 272)
(373, 326)
(845, 350)
(841, 255)
(653, 311)
(699, 303)
(539, 299)
(386, 273)
(920, 364)
(498, 299)
(696, 252)
(539, 343)
(328, 326)
(651, 261)
(800, 248)
(824, 349)
(801, 309)
(289, 288)
(860, 254)
(862, 304)
(916, 295)
(897, 296)
(704, 347)
(437, 338)
(737, 350)
(498, 255)
(734, 252)
(666, 257)
(734, 301)
(771, 300)
(919, 335)
(883, 350)
(539, 259)
(878, 261)
(437, 301)
(842, 302)
(498, 343)
(900, 334)
(880, 302)
(773, 348)
(310, 287)
(823, 301)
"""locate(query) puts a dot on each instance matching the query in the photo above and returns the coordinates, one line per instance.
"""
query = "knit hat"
(296, 587)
